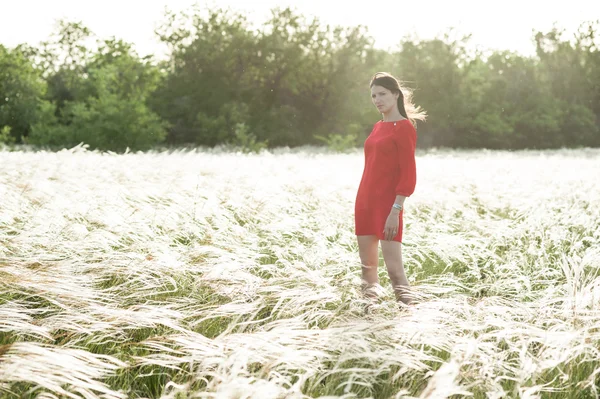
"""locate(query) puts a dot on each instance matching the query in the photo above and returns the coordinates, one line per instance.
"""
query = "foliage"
(99, 99)
(340, 142)
(247, 141)
(5, 136)
(294, 81)
(21, 91)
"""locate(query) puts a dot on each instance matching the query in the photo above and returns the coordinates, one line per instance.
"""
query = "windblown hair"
(405, 105)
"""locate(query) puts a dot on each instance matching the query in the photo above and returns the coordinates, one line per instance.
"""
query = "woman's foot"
(371, 292)
(404, 294)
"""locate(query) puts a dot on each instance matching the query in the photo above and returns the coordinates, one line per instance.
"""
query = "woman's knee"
(368, 250)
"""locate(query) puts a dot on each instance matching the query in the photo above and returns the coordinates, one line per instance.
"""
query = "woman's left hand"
(391, 226)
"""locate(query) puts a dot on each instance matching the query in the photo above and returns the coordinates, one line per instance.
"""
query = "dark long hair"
(405, 103)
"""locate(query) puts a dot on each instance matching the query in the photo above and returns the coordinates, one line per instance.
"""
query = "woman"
(389, 177)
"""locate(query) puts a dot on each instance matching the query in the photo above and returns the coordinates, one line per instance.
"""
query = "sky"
(505, 25)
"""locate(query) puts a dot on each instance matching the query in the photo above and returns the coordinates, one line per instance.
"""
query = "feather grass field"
(211, 274)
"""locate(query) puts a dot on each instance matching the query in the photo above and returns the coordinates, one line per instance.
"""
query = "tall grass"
(206, 274)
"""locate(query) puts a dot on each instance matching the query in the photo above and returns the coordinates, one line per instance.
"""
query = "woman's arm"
(400, 201)
(406, 143)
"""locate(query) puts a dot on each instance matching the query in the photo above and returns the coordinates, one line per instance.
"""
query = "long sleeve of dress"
(406, 143)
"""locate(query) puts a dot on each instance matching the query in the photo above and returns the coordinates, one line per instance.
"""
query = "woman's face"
(383, 99)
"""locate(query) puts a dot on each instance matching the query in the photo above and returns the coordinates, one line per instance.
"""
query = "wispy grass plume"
(207, 274)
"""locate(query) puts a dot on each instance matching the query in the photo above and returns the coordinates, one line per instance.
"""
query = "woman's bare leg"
(392, 256)
(368, 248)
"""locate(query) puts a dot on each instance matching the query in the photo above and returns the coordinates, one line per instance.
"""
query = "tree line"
(293, 81)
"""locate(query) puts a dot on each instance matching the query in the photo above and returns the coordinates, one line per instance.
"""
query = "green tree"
(293, 81)
(433, 69)
(104, 100)
(571, 70)
(106, 121)
(209, 77)
(287, 82)
(21, 91)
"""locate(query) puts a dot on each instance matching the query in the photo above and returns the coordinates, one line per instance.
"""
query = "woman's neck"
(393, 116)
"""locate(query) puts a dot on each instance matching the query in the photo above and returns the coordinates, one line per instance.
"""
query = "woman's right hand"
(392, 224)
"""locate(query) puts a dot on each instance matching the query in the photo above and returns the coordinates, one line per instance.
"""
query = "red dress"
(390, 170)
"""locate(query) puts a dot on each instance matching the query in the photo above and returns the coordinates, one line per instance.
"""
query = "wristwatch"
(397, 206)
